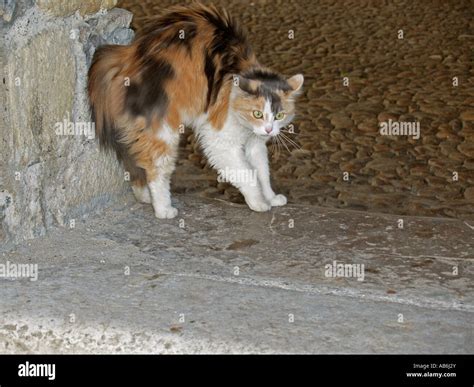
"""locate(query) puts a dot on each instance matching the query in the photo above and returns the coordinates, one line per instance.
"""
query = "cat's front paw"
(166, 212)
(278, 200)
(259, 205)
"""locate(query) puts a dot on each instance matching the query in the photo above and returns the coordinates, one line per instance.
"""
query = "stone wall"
(51, 171)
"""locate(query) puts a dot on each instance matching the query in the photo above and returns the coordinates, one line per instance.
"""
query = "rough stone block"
(7, 8)
(51, 171)
(68, 7)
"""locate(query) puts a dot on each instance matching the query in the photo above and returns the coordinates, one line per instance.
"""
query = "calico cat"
(190, 66)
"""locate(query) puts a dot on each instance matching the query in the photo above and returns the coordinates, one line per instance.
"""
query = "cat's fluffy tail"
(106, 95)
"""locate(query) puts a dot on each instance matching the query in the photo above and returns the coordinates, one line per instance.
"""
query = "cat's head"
(264, 102)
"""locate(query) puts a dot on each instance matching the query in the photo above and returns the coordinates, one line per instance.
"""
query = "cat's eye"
(257, 114)
(279, 116)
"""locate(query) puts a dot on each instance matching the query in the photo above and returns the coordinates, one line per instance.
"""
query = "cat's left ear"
(296, 84)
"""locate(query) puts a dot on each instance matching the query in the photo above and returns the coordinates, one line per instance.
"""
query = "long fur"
(181, 70)
(213, 48)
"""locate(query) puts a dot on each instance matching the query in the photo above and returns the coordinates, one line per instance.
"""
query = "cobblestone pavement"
(337, 130)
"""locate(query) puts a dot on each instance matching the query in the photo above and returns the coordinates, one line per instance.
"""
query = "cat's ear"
(296, 84)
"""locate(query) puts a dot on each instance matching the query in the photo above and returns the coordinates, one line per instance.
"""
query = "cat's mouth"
(265, 136)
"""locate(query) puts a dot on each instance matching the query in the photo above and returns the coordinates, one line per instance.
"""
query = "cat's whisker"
(285, 132)
(275, 148)
(294, 144)
(272, 147)
(290, 141)
(281, 139)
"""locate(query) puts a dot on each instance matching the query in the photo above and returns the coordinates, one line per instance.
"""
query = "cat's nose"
(268, 128)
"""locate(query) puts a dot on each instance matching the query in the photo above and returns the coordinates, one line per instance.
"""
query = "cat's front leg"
(233, 167)
(257, 155)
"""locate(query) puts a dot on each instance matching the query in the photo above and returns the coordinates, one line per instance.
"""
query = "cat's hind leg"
(156, 153)
(165, 163)
(142, 193)
(159, 185)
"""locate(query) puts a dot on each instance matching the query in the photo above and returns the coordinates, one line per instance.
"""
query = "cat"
(191, 66)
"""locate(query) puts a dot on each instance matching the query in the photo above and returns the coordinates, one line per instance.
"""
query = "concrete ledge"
(221, 279)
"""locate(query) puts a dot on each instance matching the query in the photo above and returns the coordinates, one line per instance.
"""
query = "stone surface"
(7, 8)
(409, 79)
(68, 7)
(467, 115)
(47, 177)
(222, 279)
